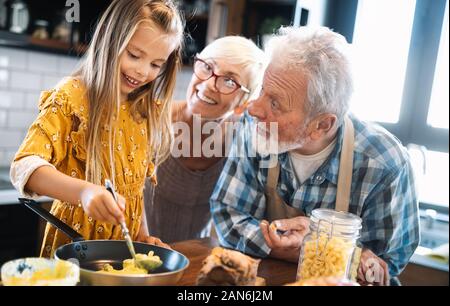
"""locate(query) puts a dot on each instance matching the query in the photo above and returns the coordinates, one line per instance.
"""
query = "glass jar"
(40, 29)
(330, 249)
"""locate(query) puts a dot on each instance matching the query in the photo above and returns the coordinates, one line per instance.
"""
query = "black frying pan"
(93, 254)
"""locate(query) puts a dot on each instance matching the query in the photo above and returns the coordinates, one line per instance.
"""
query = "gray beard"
(266, 146)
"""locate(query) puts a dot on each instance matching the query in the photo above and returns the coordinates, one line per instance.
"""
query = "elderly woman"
(226, 74)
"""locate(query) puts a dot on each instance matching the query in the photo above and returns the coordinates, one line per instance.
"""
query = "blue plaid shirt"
(383, 194)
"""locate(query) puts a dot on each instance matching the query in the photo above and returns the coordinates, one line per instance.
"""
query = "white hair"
(322, 56)
(243, 52)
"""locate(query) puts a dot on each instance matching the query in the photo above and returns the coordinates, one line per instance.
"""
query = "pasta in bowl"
(40, 272)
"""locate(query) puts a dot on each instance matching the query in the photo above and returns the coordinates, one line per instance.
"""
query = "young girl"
(109, 120)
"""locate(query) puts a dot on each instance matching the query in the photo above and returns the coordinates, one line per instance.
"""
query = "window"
(431, 170)
(401, 81)
(380, 44)
(438, 113)
(434, 187)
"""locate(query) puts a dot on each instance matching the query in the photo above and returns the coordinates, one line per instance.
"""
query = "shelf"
(27, 42)
(56, 44)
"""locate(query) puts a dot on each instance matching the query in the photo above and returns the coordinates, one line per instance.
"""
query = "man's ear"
(321, 125)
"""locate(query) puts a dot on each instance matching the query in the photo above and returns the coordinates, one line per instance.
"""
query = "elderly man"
(324, 158)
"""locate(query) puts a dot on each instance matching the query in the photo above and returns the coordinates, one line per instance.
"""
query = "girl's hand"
(152, 240)
(99, 204)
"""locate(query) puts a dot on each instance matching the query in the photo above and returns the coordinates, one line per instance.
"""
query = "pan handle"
(36, 207)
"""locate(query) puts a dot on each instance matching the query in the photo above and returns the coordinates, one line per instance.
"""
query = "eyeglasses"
(223, 84)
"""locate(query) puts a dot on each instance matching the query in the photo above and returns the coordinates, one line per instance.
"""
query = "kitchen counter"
(9, 195)
(277, 272)
(420, 258)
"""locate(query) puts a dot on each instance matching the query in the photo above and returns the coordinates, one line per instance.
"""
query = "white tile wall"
(8, 156)
(23, 75)
(2, 157)
(13, 58)
(13, 100)
(49, 82)
(66, 64)
(183, 79)
(10, 139)
(32, 100)
(25, 80)
(42, 62)
(4, 78)
(3, 117)
(20, 118)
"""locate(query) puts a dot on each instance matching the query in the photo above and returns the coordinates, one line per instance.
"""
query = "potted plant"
(269, 26)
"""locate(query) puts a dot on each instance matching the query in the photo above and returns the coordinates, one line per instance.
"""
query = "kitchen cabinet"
(264, 17)
(197, 21)
(196, 14)
(71, 37)
(229, 17)
(21, 232)
(225, 18)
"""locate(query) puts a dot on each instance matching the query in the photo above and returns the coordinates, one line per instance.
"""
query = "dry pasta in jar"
(330, 248)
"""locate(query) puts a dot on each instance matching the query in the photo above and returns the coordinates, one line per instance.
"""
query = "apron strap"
(345, 167)
(272, 177)
(276, 208)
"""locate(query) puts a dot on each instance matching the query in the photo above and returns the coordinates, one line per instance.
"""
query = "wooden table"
(276, 272)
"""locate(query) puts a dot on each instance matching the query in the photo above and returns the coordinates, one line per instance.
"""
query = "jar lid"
(342, 222)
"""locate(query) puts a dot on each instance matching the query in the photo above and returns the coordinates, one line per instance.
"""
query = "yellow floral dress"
(58, 136)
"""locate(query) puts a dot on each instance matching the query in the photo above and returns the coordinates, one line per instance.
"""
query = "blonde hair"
(243, 52)
(100, 73)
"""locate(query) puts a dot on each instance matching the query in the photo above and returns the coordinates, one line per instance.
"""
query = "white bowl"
(40, 272)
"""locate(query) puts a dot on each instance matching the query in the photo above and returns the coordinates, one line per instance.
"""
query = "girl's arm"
(96, 201)
(143, 231)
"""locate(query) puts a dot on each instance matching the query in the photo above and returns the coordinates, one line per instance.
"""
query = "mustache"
(266, 128)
